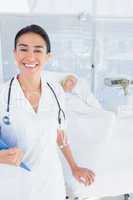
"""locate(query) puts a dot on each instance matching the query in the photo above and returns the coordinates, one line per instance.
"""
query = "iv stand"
(93, 47)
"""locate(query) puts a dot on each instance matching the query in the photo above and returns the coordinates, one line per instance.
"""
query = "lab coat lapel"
(21, 99)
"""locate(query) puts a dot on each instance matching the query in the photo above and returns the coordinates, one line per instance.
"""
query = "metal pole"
(93, 46)
(32, 4)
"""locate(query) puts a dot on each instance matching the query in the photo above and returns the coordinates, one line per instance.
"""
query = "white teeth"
(30, 65)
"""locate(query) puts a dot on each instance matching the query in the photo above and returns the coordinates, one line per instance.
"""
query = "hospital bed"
(105, 146)
(101, 141)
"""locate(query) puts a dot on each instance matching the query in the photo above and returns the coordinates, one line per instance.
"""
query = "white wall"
(63, 6)
(14, 6)
(105, 8)
(114, 8)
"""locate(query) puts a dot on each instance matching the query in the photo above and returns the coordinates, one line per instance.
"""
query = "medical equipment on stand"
(124, 84)
(120, 82)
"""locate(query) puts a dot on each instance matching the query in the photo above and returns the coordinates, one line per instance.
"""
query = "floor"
(121, 197)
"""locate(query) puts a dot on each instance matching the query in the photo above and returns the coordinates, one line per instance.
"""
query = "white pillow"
(82, 87)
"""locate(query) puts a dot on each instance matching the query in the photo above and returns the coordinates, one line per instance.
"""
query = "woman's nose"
(30, 55)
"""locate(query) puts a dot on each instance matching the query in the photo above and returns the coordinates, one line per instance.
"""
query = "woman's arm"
(83, 175)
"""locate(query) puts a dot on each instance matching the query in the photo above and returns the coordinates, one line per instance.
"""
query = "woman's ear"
(14, 52)
(50, 56)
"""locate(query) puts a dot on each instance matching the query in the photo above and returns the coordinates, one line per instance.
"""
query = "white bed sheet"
(103, 143)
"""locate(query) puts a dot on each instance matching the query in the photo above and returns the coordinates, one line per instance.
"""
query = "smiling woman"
(33, 128)
(31, 52)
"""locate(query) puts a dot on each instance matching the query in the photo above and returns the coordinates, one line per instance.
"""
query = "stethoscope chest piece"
(6, 120)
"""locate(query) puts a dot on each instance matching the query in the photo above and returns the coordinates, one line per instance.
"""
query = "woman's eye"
(37, 51)
(23, 49)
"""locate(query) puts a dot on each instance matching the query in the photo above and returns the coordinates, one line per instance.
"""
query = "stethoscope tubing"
(6, 118)
(60, 109)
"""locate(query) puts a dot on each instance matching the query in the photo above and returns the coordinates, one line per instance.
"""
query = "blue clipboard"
(4, 146)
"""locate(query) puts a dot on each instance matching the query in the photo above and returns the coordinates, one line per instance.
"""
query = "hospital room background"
(90, 38)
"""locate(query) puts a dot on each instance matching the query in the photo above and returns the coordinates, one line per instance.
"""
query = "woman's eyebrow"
(39, 46)
(26, 45)
(22, 45)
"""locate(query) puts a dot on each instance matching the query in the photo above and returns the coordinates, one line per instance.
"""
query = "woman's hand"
(83, 175)
(12, 156)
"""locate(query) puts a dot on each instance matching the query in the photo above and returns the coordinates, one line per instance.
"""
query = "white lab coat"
(35, 134)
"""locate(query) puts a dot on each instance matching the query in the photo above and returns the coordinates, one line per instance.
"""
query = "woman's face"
(70, 84)
(31, 53)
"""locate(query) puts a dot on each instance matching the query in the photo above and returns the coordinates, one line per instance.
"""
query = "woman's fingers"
(90, 176)
(12, 156)
(86, 180)
(84, 175)
(89, 179)
(12, 151)
(82, 180)
(18, 155)
(91, 172)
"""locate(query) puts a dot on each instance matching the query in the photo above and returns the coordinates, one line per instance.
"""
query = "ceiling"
(99, 8)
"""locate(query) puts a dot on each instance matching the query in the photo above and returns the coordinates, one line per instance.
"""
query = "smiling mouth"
(30, 65)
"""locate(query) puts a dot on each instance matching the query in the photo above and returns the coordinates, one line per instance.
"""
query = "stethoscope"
(6, 118)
